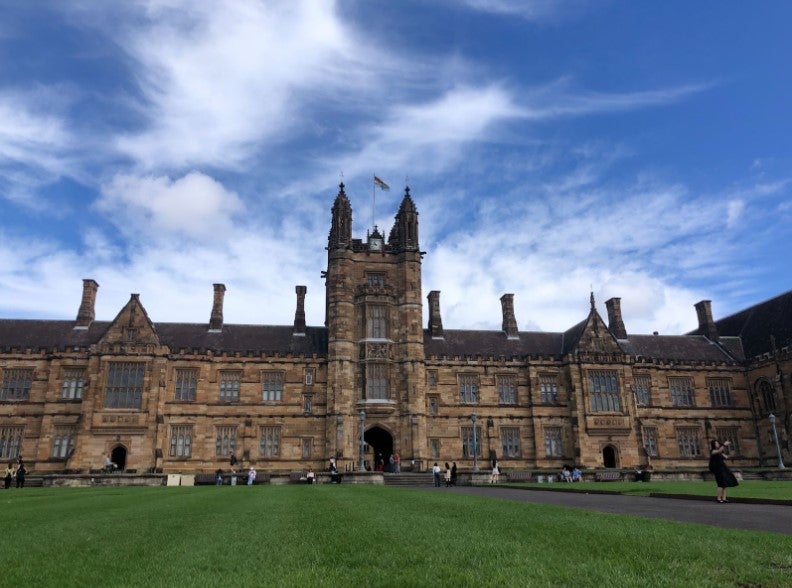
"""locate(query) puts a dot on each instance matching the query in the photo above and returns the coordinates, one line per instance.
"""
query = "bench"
(210, 479)
(520, 476)
(608, 477)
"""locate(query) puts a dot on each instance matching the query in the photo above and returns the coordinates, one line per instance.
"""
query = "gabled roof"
(756, 324)
(679, 347)
(491, 344)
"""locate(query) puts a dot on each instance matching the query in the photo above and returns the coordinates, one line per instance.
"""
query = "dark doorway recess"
(118, 457)
(609, 458)
(381, 443)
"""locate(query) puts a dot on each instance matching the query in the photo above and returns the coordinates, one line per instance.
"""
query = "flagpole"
(373, 199)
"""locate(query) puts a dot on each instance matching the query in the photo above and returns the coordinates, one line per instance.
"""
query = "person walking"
(724, 478)
(8, 475)
(397, 462)
(251, 476)
(20, 475)
(453, 474)
(436, 475)
(495, 477)
(447, 475)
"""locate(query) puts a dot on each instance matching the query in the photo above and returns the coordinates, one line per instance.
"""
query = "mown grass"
(747, 489)
(359, 536)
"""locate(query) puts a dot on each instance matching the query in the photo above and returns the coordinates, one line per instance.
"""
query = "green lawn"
(746, 489)
(359, 536)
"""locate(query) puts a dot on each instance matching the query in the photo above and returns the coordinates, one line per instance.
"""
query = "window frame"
(469, 388)
(548, 388)
(17, 383)
(643, 394)
(225, 440)
(123, 386)
(720, 392)
(272, 385)
(510, 442)
(604, 391)
(682, 395)
(270, 440)
(553, 441)
(507, 389)
(689, 442)
(229, 384)
(180, 383)
(181, 441)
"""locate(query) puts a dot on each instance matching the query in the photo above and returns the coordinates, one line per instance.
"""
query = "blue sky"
(639, 149)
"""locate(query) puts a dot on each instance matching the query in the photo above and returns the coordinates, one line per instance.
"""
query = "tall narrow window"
(306, 448)
(269, 441)
(650, 441)
(16, 384)
(272, 386)
(11, 441)
(689, 442)
(468, 388)
(510, 441)
(767, 394)
(375, 280)
(604, 390)
(681, 391)
(431, 378)
(731, 434)
(377, 323)
(229, 386)
(433, 405)
(548, 389)
(434, 448)
(307, 403)
(63, 441)
(186, 383)
(124, 385)
(225, 444)
(468, 446)
(642, 385)
(720, 392)
(554, 442)
(507, 389)
(377, 381)
(309, 376)
(181, 441)
(73, 383)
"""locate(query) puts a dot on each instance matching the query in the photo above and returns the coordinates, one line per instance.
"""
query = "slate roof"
(755, 324)
(680, 347)
(52, 334)
(492, 344)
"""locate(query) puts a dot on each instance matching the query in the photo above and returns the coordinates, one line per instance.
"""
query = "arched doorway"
(118, 457)
(609, 456)
(381, 445)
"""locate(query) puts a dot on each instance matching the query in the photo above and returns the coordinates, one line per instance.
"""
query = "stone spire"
(404, 235)
(341, 227)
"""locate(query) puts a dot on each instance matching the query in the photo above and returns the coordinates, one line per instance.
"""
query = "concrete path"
(753, 517)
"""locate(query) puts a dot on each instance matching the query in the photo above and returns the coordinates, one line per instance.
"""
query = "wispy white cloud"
(532, 10)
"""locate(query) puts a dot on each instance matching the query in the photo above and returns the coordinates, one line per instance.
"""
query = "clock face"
(375, 244)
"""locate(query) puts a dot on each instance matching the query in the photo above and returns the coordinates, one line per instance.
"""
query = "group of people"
(15, 471)
(249, 476)
(448, 476)
(393, 465)
(570, 474)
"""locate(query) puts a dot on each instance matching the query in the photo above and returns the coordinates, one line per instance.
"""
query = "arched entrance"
(380, 443)
(118, 457)
(609, 456)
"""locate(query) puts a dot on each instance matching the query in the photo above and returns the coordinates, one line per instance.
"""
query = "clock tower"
(375, 337)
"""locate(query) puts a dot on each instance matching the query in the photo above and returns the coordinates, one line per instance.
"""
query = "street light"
(362, 441)
(475, 445)
(772, 418)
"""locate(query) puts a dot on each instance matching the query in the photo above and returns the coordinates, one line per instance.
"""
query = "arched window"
(766, 393)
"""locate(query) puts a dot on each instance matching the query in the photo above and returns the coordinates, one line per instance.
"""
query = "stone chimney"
(435, 321)
(299, 314)
(615, 322)
(706, 324)
(86, 314)
(216, 319)
(509, 322)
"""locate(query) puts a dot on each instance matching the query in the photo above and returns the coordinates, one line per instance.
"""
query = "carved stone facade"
(177, 397)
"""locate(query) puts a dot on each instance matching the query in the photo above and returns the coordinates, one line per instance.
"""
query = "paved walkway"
(752, 517)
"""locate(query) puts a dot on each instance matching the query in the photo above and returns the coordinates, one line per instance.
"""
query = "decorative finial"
(592, 300)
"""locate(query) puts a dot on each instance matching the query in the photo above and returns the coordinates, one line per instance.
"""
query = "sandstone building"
(178, 397)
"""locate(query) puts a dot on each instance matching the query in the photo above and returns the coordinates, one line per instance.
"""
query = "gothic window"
(554, 442)
(225, 443)
(548, 389)
(307, 403)
(431, 378)
(269, 442)
(63, 441)
(731, 434)
(186, 382)
(468, 448)
(73, 383)
(433, 405)
(510, 441)
(306, 448)
(272, 386)
(16, 384)
(642, 386)
(766, 393)
(434, 448)
(377, 322)
(604, 391)
(124, 385)
(309, 376)
(229, 386)
(507, 389)
(375, 280)
(681, 391)
(181, 441)
(11, 441)
(720, 392)
(377, 381)
(468, 388)
(689, 442)
(650, 441)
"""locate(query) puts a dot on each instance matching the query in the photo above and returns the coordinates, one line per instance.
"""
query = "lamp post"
(772, 418)
(475, 445)
(362, 440)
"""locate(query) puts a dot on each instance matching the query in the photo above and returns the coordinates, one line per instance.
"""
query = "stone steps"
(409, 479)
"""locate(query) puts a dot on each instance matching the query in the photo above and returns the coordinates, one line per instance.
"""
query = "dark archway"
(609, 457)
(381, 444)
(118, 456)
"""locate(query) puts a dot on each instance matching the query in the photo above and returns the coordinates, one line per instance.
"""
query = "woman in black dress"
(724, 477)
